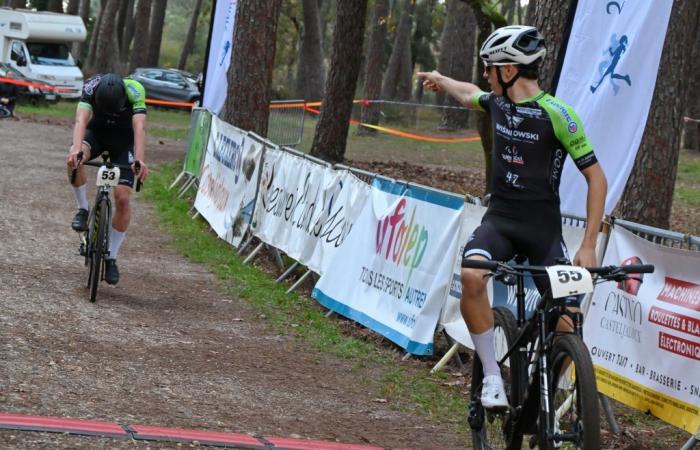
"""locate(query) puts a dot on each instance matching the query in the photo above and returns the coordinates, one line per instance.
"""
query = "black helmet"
(110, 95)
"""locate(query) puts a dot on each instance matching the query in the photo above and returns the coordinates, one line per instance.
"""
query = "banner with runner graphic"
(219, 57)
(393, 273)
(306, 209)
(200, 124)
(608, 77)
(644, 333)
(229, 180)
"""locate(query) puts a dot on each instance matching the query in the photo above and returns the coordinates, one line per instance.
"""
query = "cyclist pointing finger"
(111, 117)
(533, 132)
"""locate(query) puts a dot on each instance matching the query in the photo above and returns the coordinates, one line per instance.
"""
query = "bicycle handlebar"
(109, 164)
(605, 271)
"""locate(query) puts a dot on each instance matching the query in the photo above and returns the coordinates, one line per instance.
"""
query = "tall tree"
(311, 70)
(123, 16)
(128, 34)
(155, 33)
(92, 50)
(331, 134)
(399, 72)
(375, 63)
(54, 6)
(139, 54)
(648, 195)
(16, 3)
(691, 132)
(550, 18)
(73, 7)
(189, 39)
(106, 46)
(78, 48)
(250, 75)
(457, 57)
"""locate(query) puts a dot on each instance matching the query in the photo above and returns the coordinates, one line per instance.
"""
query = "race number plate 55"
(107, 176)
(569, 280)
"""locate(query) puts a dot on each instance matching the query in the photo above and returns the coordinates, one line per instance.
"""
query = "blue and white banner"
(608, 77)
(393, 273)
(219, 58)
(228, 181)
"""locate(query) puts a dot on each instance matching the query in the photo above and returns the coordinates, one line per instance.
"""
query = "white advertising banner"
(228, 182)
(644, 333)
(394, 271)
(608, 77)
(219, 58)
(498, 293)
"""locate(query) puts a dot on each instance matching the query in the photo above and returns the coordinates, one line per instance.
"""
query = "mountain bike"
(94, 243)
(547, 373)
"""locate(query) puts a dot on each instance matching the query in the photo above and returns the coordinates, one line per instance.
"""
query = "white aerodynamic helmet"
(515, 44)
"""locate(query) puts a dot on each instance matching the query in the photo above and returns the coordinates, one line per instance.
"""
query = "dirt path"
(165, 347)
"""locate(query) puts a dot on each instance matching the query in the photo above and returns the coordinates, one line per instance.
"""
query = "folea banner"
(306, 209)
(228, 182)
(644, 333)
(219, 58)
(608, 77)
(393, 273)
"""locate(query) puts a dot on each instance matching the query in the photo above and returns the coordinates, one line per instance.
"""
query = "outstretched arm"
(595, 206)
(462, 91)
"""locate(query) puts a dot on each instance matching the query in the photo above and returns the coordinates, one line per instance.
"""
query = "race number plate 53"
(107, 176)
(569, 280)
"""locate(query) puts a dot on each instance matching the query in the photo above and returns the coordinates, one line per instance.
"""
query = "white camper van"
(38, 45)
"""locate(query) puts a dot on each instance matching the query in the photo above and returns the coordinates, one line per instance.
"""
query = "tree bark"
(549, 17)
(457, 58)
(250, 75)
(139, 54)
(128, 35)
(311, 70)
(16, 3)
(691, 131)
(54, 6)
(155, 33)
(331, 134)
(106, 46)
(73, 7)
(375, 62)
(92, 50)
(399, 71)
(189, 39)
(78, 48)
(649, 192)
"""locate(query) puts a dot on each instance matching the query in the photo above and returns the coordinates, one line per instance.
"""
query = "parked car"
(29, 94)
(166, 84)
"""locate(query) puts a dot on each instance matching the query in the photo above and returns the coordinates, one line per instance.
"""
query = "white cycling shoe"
(493, 395)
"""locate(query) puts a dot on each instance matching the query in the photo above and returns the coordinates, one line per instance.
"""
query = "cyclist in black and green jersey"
(111, 116)
(533, 133)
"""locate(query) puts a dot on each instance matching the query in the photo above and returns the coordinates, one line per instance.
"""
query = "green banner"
(199, 136)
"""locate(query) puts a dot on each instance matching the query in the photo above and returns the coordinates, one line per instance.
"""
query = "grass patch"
(286, 312)
(169, 133)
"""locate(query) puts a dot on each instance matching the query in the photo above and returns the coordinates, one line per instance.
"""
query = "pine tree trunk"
(92, 50)
(78, 48)
(250, 75)
(73, 7)
(457, 57)
(155, 33)
(331, 134)
(17, 3)
(311, 73)
(550, 18)
(691, 129)
(189, 39)
(375, 60)
(128, 35)
(394, 86)
(106, 38)
(139, 54)
(648, 194)
(54, 6)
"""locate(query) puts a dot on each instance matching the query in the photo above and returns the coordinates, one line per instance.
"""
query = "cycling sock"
(484, 343)
(115, 241)
(81, 196)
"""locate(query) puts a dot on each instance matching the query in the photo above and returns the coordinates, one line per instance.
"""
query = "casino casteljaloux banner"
(393, 273)
(644, 333)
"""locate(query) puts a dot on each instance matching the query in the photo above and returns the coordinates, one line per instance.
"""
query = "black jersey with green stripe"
(530, 142)
(136, 104)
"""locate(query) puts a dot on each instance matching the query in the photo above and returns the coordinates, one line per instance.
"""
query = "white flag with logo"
(219, 58)
(608, 77)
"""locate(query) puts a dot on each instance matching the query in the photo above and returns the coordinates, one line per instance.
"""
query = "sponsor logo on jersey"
(517, 134)
(135, 94)
(512, 155)
(514, 121)
(91, 84)
(572, 127)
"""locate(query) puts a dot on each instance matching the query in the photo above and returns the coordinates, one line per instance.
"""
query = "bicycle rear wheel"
(492, 430)
(573, 411)
(98, 246)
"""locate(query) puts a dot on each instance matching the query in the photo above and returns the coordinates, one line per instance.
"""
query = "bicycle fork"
(544, 377)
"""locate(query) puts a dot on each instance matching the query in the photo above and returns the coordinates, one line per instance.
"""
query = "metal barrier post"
(287, 272)
(692, 442)
(614, 427)
(446, 358)
(255, 251)
(179, 177)
(299, 281)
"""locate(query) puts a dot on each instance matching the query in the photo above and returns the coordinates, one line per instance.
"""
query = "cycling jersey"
(530, 142)
(136, 104)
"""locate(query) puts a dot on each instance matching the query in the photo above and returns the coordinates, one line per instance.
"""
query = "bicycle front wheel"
(573, 412)
(493, 430)
(99, 246)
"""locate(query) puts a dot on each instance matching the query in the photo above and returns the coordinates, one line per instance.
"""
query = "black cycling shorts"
(120, 149)
(500, 238)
